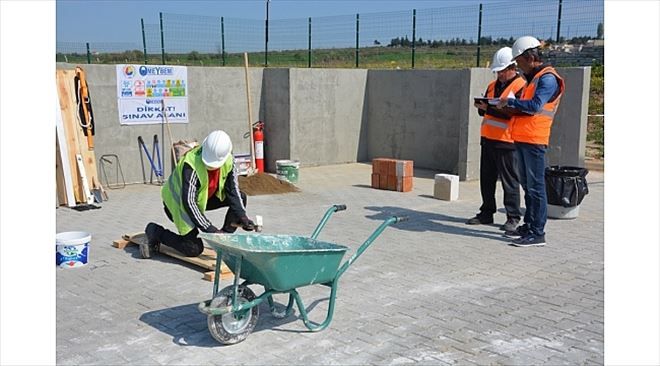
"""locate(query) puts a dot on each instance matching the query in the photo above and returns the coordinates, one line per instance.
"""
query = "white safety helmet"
(216, 148)
(502, 59)
(523, 44)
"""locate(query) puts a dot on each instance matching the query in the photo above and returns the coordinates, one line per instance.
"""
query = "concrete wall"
(276, 112)
(332, 116)
(568, 137)
(327, 124)
(217, 100)
(416, 115)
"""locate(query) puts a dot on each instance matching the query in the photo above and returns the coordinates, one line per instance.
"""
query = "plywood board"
(75, 137)
(70, 136)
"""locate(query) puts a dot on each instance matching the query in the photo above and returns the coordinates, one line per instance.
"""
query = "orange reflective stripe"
(494, 123)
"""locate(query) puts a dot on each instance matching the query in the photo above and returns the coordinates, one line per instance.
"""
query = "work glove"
(246, 223)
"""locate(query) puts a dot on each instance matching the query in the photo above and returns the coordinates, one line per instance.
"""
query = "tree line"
(485, 41)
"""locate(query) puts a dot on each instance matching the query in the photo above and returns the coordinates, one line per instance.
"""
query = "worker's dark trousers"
(190, 245)
(503, 163)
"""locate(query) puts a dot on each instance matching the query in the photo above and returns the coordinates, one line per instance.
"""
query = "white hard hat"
(502, 59)
(523, 44)
(216, 148)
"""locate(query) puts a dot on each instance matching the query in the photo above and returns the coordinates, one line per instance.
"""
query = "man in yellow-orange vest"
(531, 135)
(205, 179)
(498, 153)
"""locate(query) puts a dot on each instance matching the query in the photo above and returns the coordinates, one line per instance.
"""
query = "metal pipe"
(479, 36)
(162, 41)
(559, 21)
(414, 35)
(144, 41)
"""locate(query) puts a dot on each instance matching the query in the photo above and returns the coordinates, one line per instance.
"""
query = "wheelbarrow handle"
(324, 220)
(339, 207)
(367, 243)
(401, 219)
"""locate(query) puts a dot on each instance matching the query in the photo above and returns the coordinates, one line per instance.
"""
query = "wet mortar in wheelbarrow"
(279, 263)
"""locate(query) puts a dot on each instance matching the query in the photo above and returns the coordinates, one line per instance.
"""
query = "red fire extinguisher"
(258, 130)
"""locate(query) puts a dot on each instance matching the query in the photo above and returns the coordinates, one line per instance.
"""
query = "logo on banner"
(129, 71)
(139, 88)
(156, 70)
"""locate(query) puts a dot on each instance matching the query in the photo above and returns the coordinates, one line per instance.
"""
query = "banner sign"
(141, 90)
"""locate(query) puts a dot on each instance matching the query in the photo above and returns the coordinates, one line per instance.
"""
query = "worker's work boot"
(152, 246)
(510, 225)
(480, 219)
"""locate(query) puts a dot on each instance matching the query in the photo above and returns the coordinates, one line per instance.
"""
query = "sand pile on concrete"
(262, 183)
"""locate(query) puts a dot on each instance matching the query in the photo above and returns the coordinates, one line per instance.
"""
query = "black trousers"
(503, 163)
(190, 245)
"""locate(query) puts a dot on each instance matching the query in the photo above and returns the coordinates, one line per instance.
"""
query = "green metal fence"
(447, 37)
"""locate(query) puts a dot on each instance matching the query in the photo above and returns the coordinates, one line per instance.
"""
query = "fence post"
(357, 40)
(222, 31)
(414, 36)
(162, 41)
(89, 55)
(559, 21)
(309, 43)
(479, 36)
(266, 46)
(144, 41)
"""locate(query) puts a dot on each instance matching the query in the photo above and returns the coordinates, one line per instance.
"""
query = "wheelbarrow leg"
(278, 314)
(331, 308)
(237, 278)
(216, 279)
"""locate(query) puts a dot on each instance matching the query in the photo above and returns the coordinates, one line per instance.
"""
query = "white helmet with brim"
(523, 44)
(502, 59)
(216, 148)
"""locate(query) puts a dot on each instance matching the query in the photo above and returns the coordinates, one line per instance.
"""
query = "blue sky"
(119, 20)
(114, 26)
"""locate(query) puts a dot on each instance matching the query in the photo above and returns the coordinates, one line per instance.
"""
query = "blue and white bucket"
(72, 248)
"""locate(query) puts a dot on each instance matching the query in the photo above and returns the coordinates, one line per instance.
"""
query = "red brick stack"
(392, 174)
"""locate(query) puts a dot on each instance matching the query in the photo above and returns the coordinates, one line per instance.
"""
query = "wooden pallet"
(206, 260)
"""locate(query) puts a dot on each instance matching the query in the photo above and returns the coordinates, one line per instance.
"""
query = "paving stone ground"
(428, 291)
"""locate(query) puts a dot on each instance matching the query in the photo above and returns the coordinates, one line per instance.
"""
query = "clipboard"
(489, 101)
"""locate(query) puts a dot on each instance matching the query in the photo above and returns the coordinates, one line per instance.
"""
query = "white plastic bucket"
(72, 248)
(560, 212)
(287, 170)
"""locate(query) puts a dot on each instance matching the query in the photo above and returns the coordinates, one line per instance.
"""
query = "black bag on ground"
(565, 185)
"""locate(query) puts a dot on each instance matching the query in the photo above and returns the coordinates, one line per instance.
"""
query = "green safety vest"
(172, 190)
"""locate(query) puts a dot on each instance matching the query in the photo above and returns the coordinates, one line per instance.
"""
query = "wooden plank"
(121, 243)
(206, 260)
(59, 176)
(76, 139)
(210, 275)
(63, 159)
(89, 157)
(64, 85)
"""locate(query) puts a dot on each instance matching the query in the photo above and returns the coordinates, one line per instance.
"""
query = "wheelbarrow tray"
(278, 262)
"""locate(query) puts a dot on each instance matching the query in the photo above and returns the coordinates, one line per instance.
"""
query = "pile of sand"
(262, 183)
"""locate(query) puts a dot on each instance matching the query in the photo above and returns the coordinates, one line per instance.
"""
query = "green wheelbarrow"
(279, 263)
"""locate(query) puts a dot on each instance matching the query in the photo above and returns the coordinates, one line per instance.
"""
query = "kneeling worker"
(205, 178)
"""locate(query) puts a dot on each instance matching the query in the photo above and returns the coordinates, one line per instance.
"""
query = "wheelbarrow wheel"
(230, 328)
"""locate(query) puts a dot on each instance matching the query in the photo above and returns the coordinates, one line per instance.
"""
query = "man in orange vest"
(498, 154)
(531, 135)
